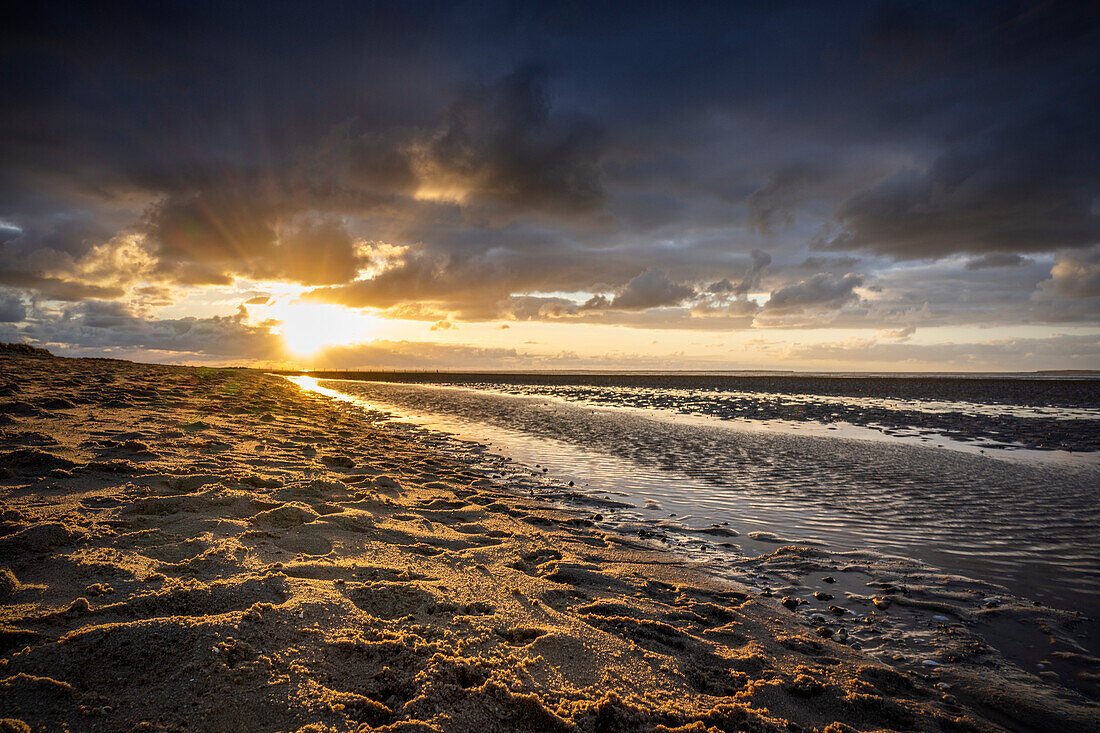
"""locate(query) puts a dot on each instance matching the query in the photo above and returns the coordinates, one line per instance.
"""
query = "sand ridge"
(202, 549)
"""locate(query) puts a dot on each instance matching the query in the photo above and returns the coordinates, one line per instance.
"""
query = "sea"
(994, 477)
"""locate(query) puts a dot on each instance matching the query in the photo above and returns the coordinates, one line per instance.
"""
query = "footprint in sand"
(520, 636)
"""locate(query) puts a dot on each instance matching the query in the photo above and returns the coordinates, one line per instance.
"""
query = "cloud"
(55, 288)
(386, 354)
(490, 287)
(417, 279)
(103, 314)
(110, 327)
(314, 251)
(501, 147)
(1075, 275)
(283, 214)
(902, 334)
(11, 309)
(828, 264)
(1020, 353)
(209, 237)
(152, 296)
(995, 259)
(596, 302)
(1015, 354)
(820, 292)
(498, 151)
(751, 281)
(217, 230)
(651, 289)
(773, 203)
(721, 287)
(1025, 187)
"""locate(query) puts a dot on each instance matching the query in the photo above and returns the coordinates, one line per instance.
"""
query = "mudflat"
(203, 549)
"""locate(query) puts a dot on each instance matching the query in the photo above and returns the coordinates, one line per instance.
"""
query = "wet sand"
(197, 549)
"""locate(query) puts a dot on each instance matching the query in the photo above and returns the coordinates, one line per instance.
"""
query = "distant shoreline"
(768, 373)
(27, 349)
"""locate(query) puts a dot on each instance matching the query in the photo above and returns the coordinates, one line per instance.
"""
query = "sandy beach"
(215, 549)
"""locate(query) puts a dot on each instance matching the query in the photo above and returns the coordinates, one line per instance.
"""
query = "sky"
(575, 185)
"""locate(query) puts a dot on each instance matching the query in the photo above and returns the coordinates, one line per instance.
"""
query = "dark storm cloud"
(1011, 167)
(1027, 190)
(513, 149)
(500, 147)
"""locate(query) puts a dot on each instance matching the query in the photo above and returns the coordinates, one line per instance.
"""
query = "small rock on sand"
(387, 483)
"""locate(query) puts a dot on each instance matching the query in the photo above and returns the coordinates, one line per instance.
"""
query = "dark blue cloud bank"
(667, 165)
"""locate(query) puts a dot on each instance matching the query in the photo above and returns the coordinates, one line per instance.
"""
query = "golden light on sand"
(309, 327)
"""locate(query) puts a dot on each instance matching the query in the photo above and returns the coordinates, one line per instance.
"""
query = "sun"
(309, 327)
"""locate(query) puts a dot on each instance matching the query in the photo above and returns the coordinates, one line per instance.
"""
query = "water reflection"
(1028, 525)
